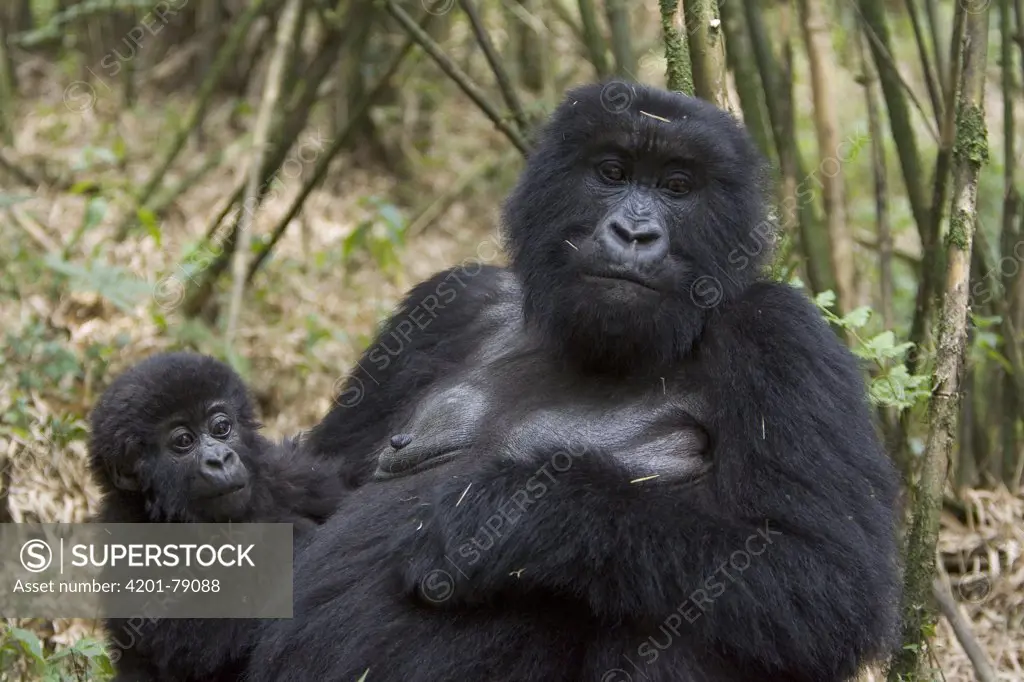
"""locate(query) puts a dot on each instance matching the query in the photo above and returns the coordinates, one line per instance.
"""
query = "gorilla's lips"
(627, 276)
(221, 491)
(228, 503)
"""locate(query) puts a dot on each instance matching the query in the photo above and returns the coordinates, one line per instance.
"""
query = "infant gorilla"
(175, 440)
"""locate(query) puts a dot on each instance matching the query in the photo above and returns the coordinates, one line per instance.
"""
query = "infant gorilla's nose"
(629, 239)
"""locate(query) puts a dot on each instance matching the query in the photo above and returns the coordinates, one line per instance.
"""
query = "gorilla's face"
(178, 430)
(638, 213)
(193, 466)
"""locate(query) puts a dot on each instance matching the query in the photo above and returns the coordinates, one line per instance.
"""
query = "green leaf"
(105, 666)
(883, 346)
(355, 239)
(856, 318)
(120, 148)
(984, 322)
(898, 388)
(29, 642)
(89, 647)
(825, 299)
(84, 187)
(393, 217)
(94, 212)
(112, 283)
(149, 222)
(12, 199)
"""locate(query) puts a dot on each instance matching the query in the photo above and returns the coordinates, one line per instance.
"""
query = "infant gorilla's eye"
(183, 440)
(678, 183)
(611, 171)
(220, 426)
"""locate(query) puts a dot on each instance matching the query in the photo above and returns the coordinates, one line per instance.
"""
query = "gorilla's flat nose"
(641, 233)
(628, 239)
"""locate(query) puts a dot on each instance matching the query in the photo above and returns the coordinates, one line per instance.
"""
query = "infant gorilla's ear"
(123, 478)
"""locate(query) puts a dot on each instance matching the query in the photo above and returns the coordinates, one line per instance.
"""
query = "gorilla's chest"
(653, 429)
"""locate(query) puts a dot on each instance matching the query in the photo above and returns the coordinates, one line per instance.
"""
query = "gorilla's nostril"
(645, 236)
(622, 232)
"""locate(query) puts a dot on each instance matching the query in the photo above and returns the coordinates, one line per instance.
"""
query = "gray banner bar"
(146, 570)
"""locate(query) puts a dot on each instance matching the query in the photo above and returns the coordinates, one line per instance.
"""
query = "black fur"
(762, 551)
(440, 322)
(128, 443)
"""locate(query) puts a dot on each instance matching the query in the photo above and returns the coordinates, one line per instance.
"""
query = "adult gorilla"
(623, 458)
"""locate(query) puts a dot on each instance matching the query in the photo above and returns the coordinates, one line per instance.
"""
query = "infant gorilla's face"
(201, 461)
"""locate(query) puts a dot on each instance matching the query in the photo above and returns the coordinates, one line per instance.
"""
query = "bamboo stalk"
(740, 54)
(932, 255)
(970, 153)
(679, 71)
(593, 39)
(622, 42)
(454, 72)
(927, 68)
(500, 75)
(295, 119)
(324, 162)
(194, 116)
(283, 43)
(707, 51)
(965, 635)
(826, 124)
(881, 186)
(798, 213)
(1011, 282)
(877, 30)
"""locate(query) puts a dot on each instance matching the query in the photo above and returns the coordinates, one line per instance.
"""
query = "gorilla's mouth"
(627, 277)
(221, 493)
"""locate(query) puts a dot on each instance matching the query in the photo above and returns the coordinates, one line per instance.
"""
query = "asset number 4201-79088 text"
(173, 585)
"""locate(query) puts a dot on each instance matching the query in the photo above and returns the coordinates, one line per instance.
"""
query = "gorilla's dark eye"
(678, 183)
(220, 426)
(611, 171)
(182, 440)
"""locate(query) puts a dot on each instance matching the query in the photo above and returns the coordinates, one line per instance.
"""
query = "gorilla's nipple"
(400, 440)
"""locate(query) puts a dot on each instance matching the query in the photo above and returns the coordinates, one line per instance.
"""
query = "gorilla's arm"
(298, 487)
(180, 650)
(439, 324)
(782, 555)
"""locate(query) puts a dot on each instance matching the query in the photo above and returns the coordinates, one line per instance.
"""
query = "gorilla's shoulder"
(459, 299)
(773, 309)
(471, 279)
(777, 323)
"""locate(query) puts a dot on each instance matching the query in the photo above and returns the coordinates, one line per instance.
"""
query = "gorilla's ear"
(123, 480)
(122, 474)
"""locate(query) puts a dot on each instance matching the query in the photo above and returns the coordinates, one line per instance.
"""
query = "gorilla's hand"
(572, 526)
